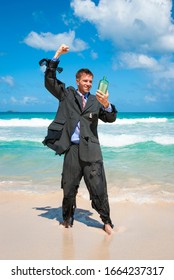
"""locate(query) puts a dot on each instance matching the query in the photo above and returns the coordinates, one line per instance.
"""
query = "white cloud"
(150, 98)
(50, 42)
(164, 43)
(94, 55)
(133, 60)
(38, 16)
(29, 100)
(69, 20)
(166, 73)
(24, 100)
(13, 100)
(9, 80)
(143, 25)
(157, 97)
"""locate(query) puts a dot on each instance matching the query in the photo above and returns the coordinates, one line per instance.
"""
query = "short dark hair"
(83, 70)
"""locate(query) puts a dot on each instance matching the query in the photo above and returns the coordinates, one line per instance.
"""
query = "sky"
(129, 41)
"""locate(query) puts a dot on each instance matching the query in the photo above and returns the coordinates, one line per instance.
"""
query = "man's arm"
(108, 115)
(53, 85)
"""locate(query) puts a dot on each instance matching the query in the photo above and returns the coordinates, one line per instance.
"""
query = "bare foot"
(66, 224)
(108, 229)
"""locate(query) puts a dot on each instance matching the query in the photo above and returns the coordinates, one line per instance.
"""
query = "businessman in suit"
(73, 133)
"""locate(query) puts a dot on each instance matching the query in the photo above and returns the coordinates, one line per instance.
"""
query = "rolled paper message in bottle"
(103, 85)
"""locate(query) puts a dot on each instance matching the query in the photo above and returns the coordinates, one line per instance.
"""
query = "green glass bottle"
(103, 85)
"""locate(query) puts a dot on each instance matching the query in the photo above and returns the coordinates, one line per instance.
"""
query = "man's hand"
(61, 50)
(103, 98)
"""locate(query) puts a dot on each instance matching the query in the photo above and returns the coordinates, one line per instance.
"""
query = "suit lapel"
(89, 102)
(78, 100)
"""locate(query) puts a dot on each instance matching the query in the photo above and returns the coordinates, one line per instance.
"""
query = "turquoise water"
(138, 152)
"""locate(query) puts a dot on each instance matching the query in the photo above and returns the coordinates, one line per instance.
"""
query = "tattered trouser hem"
(68, 209)
(102, 207)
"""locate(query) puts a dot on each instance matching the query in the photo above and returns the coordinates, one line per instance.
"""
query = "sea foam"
(106, 140)
(34, 122)
(39, 122)
(122, 140)
(125, 121)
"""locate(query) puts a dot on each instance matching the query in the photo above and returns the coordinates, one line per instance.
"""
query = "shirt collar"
(85, 95)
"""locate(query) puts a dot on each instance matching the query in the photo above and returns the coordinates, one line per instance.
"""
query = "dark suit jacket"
(69, 113)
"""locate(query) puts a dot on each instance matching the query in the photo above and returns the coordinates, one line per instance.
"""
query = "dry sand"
(30, 230)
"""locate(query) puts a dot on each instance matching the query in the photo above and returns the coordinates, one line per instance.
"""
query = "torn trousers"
(94, 176)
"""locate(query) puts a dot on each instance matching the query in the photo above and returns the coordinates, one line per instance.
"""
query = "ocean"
(138, 154)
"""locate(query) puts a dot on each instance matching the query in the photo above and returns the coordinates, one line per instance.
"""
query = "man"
(74, 134)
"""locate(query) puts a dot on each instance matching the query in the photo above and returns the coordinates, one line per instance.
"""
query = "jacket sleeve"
(52, 84)
(108, 116)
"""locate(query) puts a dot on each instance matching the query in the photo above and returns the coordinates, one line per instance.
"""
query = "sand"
(30, 230)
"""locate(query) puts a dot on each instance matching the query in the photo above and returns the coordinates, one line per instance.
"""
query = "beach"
(30, 229)
(138, 155)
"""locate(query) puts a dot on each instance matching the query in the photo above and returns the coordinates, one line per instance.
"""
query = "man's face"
(84, 83)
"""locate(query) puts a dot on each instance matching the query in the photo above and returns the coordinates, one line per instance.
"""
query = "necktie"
(83, 101)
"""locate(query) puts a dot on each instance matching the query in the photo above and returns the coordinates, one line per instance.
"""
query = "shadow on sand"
(81, 215)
